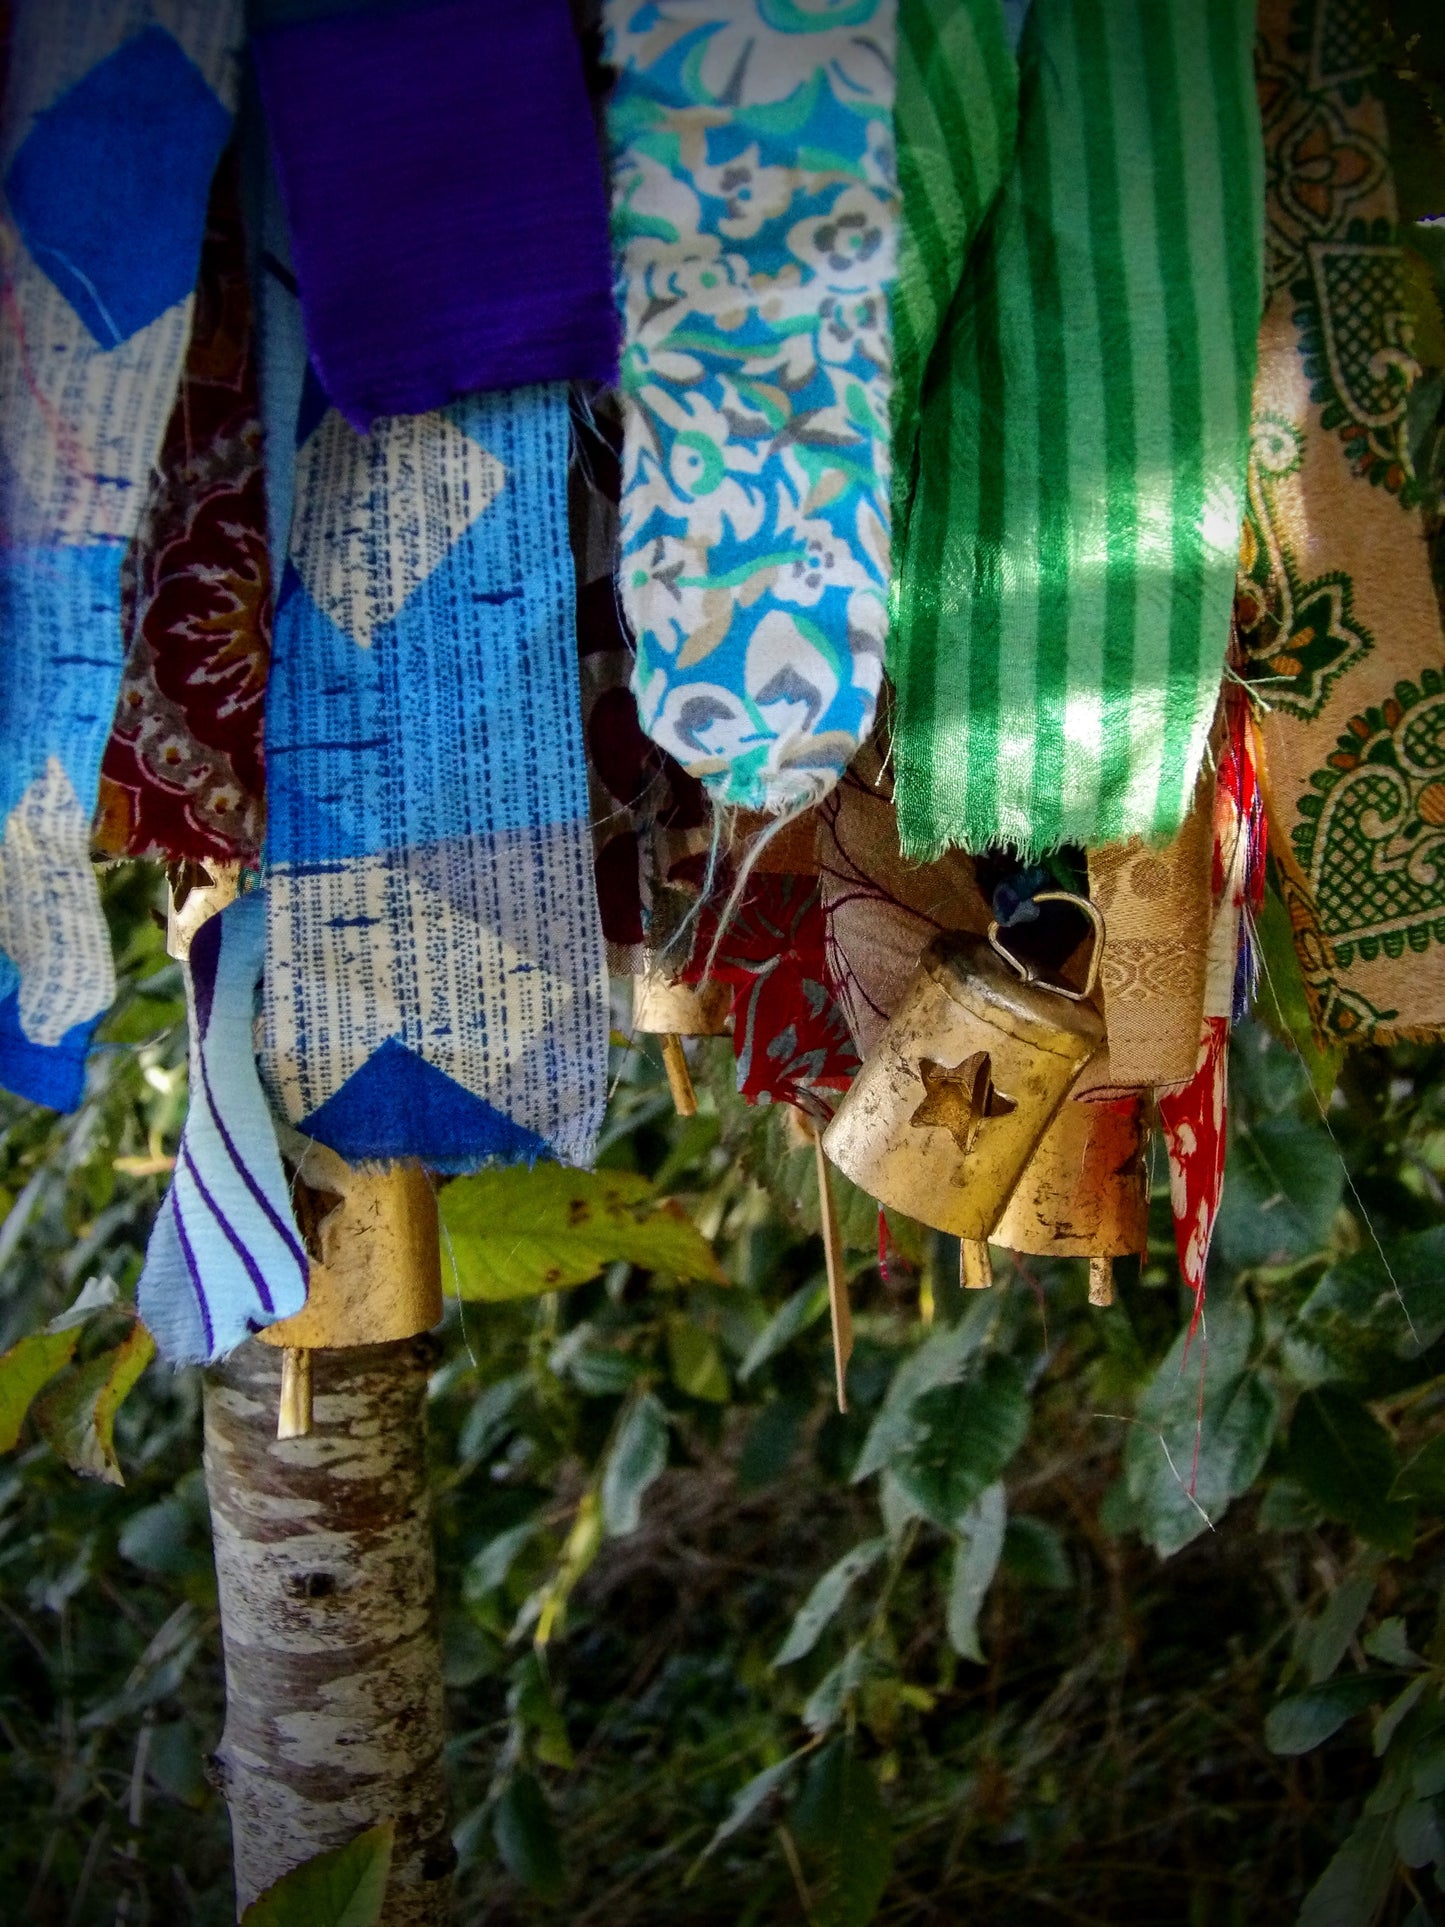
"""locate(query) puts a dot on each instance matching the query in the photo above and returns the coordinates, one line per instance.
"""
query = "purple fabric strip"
(253, 1270)
(443, 188)
(194, 1272)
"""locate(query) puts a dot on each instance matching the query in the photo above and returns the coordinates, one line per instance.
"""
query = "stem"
(327, 1585)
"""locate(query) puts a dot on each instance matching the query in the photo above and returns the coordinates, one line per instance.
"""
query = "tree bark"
(324, 1559)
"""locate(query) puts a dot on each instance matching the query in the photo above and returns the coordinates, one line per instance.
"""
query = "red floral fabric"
(790, 1036)
(183, 775)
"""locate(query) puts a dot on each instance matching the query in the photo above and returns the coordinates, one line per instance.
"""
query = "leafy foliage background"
(716, 1653)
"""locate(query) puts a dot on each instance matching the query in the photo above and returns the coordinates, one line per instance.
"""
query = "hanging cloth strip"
(755, 216)
(225, 1257)
(1336, 607)
(1193, 1115)
(113, 127)
(956, 117)
(1065, 590)
(650, 819)
(790, 1037)
(434, 980)
(183, 776)
(444, 192)
(881, 911)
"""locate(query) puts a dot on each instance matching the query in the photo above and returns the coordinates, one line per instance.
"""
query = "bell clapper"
(1101, 1281)
(840, 1312)
(293, 1420)
(975, 1264)
(679, 1078)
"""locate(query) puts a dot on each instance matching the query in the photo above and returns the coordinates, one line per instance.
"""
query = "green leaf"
(515, 1232)
(825, 1705)
(1306, 1720)
(695, 1360)
(1388, 1723)
(1221, 1449)
(1034, 1553)
(638, 1455)
(343, 1888)
(823, 1602)
(1388, 1644)
(24, 1369)
(1282, 1188)
(749, 1799)
(1420, 1833)
(794, 1315)
(1321, 1643)
(1352, 1888)
(840, 1819)
(526, 1838)
(1343, 1457)
(968, 1432)
(941, 1359)
(1423, 1477)
(489, 1565)
(975, 1561)
(1394, 1306)
(77, 1414)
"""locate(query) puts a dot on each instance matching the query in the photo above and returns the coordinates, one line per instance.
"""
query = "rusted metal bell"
(662, 1006)
(378, 1278)
(1085, 1191)
(957, 1094)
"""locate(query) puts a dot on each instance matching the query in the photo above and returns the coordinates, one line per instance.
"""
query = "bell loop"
(1026, 972)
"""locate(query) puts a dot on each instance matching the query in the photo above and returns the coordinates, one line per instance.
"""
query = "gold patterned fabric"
(1337, 614)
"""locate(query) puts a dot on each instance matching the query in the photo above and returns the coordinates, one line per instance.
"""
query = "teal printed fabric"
(116, 112)
(1068, 577)
(755, 216)
(435, 983)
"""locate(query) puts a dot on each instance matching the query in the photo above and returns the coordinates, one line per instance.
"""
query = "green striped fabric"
(955, 116)
(1067, 575)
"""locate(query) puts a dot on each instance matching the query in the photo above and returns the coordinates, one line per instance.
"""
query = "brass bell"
(664, 1007)
(957, 1094)
(1084, 1192)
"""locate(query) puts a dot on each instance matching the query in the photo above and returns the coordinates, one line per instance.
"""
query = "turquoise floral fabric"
(755, 216)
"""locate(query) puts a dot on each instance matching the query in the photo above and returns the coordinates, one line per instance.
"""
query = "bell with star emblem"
(955, 1097)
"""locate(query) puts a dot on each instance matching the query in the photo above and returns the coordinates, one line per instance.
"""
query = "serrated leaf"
(343, 1888)
(77, 1414)
(968, 1432)
(1306, 1720)
(1352, 1888)
(515, 1231)
(24, 1370)
(975, 1561)
(637, 1457)
(839, 1817)
(1423, 1477)
(1219, 1448)
(1343, 1457)
(695, 1360)
(1368, 1305)
(750, 1799)
(1388, 1723)
(1282, 1188)
(1321, 1643)
(526, 1838)
(794, 1315)
(824, 1601)
(941, 1359)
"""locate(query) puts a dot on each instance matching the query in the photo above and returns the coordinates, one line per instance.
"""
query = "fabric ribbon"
(1337, 613)
(225, 1257)
(790, 1038)
(956, 117)
(444, 193)
(755, 218)
(435, 985)
(184, 775)
(1065, 587)
(116, 114)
